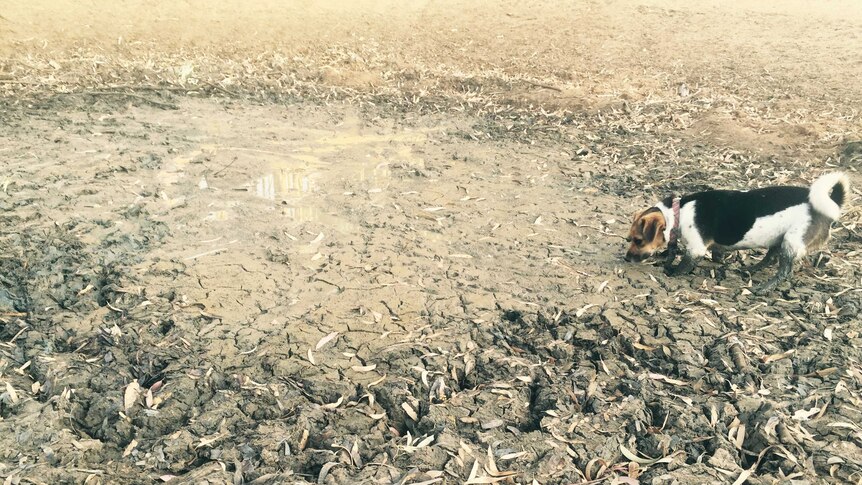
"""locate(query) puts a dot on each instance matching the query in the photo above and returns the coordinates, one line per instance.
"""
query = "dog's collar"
(674, 230)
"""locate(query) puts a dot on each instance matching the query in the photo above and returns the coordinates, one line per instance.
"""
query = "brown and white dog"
(788, 221)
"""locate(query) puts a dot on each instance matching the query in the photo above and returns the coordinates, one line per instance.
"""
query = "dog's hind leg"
(785, 268)
(768, 260)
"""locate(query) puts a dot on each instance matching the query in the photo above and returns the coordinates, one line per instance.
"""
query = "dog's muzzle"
(632, 257)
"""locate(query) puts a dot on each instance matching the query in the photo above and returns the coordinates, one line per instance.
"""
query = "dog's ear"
(649, 228)
(652, 226)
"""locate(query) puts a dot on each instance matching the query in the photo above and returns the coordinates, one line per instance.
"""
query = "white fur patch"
(819, 194)
(688, 230)
(787, 226)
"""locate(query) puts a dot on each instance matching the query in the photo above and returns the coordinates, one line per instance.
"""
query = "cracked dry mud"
(319, 291)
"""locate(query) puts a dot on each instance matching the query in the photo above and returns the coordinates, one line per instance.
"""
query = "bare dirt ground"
(378, 242)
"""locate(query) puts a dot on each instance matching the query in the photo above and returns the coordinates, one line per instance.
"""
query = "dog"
(789, 222)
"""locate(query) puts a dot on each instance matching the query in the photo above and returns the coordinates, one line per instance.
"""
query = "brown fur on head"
(646, 234)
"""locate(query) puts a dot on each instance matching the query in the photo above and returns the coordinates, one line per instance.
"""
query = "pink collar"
(674, 231)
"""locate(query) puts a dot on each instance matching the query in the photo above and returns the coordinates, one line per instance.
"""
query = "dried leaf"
(425, 442)
(743, 476)
(640, 346)
(491, 466)
(643, 461)
(684, 399)
(485, 480)
(133, 392)
(324, 471)
(311, 357)
(335, 404)
(208, 440)
(740, 437)
(364, 368)
(303, 440)
(318, 238)
(13, 395)
(473, 471)
(667, 379)
(774, 357)
(842, 424)
(634, 457)
(805, 414)
(469, 364)
(355, 457)
(157, 385)
(325, 340)
(494, 423)
(512, 456)
(130, 448)
(583, 309)
(428, 482)
(410, 412)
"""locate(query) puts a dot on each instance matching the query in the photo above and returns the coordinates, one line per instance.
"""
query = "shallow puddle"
(304, 173)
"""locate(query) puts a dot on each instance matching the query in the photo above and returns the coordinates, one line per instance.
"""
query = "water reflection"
(283, 182)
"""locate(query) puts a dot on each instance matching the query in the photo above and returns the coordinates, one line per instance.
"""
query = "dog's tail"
(829, 193)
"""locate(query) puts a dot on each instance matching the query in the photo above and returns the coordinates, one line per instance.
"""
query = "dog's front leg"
(671, 257)
(785, 269)
(685, 266)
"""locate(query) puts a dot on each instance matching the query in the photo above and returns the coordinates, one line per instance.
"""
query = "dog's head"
(646, 234)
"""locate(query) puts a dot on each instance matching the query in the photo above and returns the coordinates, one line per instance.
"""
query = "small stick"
(12, 314)
(225, 167)
(207, 253)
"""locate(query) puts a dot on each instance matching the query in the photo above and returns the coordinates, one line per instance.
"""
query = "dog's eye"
(639, 241)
